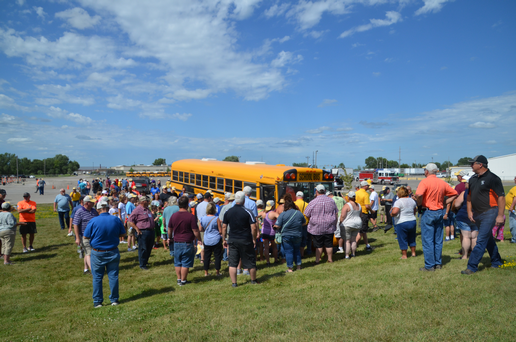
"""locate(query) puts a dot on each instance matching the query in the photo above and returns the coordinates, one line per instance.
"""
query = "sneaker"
(114, 304)
(424, 269)
(254, 282)
(467, 271)
(239, 272)
(447, 239)
(86, 272)
(348, 257)
(183, 283)
(246, 272)
(438, 267)
(81, 255)
(340, 251)
(134, 248)
(145, 268)
(179, 282)
(369, 248)
(375, 229)
(452, 237)
(234, 284)
(25, 250)
(123, 242)
(31, 249)
(70, 234)
(96, 306)
(129, 249)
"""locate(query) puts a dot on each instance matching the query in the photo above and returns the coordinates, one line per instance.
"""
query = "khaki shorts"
(381, 210)
(351, 233)
(8, 237)
(85, 245)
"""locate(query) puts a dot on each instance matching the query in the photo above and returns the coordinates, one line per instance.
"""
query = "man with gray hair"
(62, 205)
(142, 221)
(249, 203)
(241, 238)
(228, 204)
(430, 198)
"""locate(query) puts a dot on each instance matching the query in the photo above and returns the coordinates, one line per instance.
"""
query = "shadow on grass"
(47, 248)
(148, 293)
(38, 257)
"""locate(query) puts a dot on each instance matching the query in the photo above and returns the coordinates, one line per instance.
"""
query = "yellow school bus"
(269, 182)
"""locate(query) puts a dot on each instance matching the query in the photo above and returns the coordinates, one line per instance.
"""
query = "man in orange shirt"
(430, 197)
(27, 210)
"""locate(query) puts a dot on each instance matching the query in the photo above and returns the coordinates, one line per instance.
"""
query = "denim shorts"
(467, 226)
(184, 254)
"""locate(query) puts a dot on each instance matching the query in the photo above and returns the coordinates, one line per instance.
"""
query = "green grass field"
(375, 297)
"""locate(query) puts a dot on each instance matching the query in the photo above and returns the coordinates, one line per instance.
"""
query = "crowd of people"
(241, 231)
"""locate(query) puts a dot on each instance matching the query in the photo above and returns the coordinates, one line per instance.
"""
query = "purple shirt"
(142, 218)
(322, 213)
(182, 225)
(82, 217)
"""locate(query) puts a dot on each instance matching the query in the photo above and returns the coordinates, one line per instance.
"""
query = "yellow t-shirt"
(362, 198)
(301, 204)
(510, 197)
(75, 197)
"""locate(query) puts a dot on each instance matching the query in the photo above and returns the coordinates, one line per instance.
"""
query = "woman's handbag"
(277, 236)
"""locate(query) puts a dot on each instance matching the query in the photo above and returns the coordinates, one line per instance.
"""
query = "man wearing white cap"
(80, 221)
(373, 198)
(322, 213)
(430, 198)
(362, 198)
(103, 233)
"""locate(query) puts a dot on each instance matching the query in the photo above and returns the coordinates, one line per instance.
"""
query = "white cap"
(240, 197)
(371, 187)
(328, 193)
(320, 187)
(431, 167)
(466, 177)
(192, 204)
(102, 203)
(363, 183)
(259, 202)
(216, 200)
(199, 196)
(227, 195)
(300, 194)
(351, 194)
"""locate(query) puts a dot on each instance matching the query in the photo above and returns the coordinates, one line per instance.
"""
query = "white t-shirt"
(121, 208)
(113, 211)
(353, 219)
(374, 197)
(406, 213)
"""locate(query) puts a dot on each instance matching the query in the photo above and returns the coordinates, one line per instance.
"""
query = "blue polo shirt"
(104, 231)
(129, 207)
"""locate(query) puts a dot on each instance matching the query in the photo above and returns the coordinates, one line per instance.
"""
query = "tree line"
(60, 164)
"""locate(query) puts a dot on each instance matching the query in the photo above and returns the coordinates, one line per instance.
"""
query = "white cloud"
(431, 6)
(120, 102)
(318, 130)
(307, 14)
(20, 2)
(58, 113)
(9, 103)
(276, 10)
(285, 57)
(185, 95)
(356, 45)
(391, 17)
(161, 115)
(18, 140)
(39, 11)
(57, 93)
(491, 142)
(327, 102)
(78, 18)
(481, 124)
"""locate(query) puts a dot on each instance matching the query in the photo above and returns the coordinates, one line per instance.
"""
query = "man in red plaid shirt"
(322, 213)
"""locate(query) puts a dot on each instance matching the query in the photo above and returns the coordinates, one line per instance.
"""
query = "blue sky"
(118, 82)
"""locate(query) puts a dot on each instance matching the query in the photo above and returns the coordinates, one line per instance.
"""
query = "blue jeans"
(75, 203)
(406, 232)
(432, 237)
(512, 226)
(291, 247)
(145, 244)
(64, 216)
(102, 262)
(485, 223)
(225, 255)
(42, 190)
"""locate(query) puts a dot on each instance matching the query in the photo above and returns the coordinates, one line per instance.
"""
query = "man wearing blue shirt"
(249, 203)
(154, 190)
(62, 205)
(104, 232)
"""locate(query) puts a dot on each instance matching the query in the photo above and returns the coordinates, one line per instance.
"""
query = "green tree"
(359, 168)
(392, 163)
(464, 161)
(131, 169)
(300, 164)
(438, 165)
(347, 180)
(370, 162)
(231, 159)
(405, 166)
(159, 161)
(446, 165)
(341, 165)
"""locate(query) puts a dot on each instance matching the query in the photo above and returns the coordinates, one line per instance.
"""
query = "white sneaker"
(340, 251)
(70, 234)
(135, 248)
(452, 237)
(447, 239)
(123, 241)
(129, 249)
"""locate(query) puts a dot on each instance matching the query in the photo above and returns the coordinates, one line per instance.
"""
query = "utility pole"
(44, 167)
(17, 175)
(316, 157)
(307, 160)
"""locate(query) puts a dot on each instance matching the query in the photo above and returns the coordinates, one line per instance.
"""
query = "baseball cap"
(207, 195)
(192, 204)
(173, 188)
(259, 202)
(226, 195)
(89, 199)
(199, 196)
(217, 200)
(328, 193)
(479, 159)
(26, 194)
(240, 197)
(104, 191)
(191, 196)
(281, 201)
(431, 167)
(371, 186)
(363, 183)
(299, 194)
(320, 187)
(231, 197)
(102, 204)
(351, 194)
(6, 205)
(270, 204)
(74, 188)
(466, 178)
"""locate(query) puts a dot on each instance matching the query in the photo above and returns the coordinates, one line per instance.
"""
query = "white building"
(503, 166)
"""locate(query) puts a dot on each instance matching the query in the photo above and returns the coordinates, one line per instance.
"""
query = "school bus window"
(220, 184)
(187, 177)
(198, 180)
(229, 185)
(205, 181)
(192, 178)
(253, 186)
(180, 176)
(174, 175)
(238, 186)
(212, 182)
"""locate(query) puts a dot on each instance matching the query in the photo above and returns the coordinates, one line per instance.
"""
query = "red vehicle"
(368, 174)
(387, 177)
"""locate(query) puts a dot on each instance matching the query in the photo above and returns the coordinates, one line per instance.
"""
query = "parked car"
(31, 176)
(143, 184)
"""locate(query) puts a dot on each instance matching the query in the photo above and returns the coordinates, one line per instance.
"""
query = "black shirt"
(164, 197)
(485, 190)
(240, 220)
